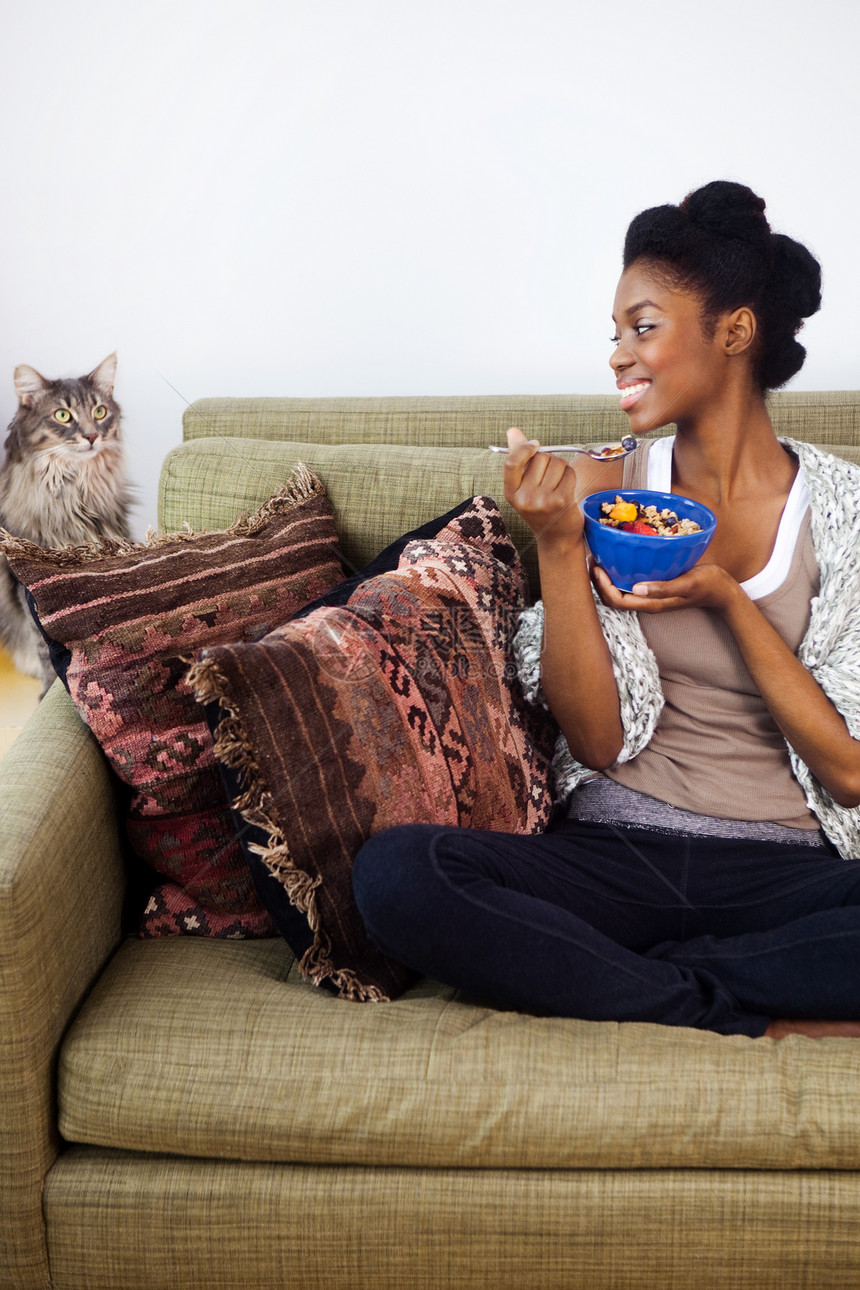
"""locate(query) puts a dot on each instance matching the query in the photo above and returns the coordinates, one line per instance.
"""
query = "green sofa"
(191, 1113)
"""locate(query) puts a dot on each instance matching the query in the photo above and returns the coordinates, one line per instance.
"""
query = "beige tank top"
(716, 749)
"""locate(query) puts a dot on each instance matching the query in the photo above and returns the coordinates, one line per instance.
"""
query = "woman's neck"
(731, 453)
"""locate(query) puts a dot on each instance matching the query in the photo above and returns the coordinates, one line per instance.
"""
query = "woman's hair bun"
(798, 274)
(719, 243)
(729, 209)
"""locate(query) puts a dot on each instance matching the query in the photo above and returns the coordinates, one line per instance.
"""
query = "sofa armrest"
(61, 889)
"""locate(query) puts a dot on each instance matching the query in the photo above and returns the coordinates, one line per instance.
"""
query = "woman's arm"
(802, 711)
(576, 666)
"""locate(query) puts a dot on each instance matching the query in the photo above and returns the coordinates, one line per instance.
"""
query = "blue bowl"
(629, 558)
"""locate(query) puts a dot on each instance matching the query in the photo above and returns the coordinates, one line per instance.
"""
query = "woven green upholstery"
(422, 422)
(826, 417)
(378, 491)
(232, 1054)
(121, 1222)
(61, 888)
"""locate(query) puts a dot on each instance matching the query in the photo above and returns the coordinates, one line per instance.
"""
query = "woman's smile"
(631, 394)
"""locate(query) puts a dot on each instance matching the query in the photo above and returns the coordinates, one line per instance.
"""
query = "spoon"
(609, 451)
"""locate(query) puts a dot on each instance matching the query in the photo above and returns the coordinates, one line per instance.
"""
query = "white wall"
(323, 197)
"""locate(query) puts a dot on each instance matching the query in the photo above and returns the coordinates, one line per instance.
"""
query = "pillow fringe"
(302, 485)
(350, 988)
(233, 749)
(232, 745)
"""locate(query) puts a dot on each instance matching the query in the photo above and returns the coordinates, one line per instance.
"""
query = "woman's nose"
(619, 358)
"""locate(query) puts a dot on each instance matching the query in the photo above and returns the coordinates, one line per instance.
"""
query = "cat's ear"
(28, 383)
(103, 376)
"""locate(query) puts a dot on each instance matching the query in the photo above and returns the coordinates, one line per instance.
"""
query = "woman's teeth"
(631, 393)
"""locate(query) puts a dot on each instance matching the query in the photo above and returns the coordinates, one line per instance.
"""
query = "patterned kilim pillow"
(401, 706)
(128, 618)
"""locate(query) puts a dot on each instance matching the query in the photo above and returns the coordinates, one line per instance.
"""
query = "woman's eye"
(639, 329)
(63, 415)
(100, 412)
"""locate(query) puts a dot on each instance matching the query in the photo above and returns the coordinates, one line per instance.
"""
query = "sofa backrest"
(829, 417)
(378, 491)
(391, 464)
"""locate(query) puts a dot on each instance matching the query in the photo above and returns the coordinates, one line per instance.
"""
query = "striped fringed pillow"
(124, 620)
(401, 706)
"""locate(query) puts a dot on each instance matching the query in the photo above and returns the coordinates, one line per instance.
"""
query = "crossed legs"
(621, 924)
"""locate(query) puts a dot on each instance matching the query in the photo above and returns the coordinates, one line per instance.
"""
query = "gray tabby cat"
(63, 482)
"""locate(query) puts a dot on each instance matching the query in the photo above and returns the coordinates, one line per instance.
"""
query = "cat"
(63, 482)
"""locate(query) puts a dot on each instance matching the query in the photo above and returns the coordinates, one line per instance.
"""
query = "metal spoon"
(609, 451)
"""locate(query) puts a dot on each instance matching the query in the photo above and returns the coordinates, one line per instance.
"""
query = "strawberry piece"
(641, 527)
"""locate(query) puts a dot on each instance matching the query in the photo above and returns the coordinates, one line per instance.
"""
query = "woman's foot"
(814, 1029)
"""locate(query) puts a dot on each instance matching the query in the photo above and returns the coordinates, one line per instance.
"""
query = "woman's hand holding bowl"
(705, 586)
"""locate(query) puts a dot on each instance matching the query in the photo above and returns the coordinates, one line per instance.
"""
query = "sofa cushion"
(377, 490)
(220, 1049)
(402, 706)
(123, 620)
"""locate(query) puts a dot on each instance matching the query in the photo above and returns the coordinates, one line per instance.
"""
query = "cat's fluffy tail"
(19, 635)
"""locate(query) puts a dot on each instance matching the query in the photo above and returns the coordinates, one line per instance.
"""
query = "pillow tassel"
(233, 748)
(302, 485)
(62, 556)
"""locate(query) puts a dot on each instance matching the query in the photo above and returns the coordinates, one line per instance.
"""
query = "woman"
(707, 870)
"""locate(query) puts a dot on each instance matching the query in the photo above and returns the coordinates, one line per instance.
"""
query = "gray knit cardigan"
(830, 650)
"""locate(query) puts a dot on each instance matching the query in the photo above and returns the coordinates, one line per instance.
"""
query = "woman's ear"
(740, 330)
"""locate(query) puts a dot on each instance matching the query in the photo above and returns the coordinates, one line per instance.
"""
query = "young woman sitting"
(705, 870)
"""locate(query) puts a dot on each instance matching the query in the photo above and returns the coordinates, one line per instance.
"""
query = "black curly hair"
(718, 243)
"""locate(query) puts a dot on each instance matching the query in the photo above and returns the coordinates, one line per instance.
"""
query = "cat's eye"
(63, 415)
(100, 412)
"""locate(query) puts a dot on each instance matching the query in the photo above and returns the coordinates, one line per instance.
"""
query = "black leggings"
(619, 923)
